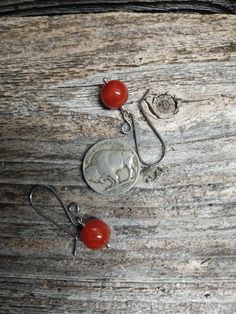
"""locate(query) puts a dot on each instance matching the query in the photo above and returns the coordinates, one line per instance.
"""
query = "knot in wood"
(162, 106)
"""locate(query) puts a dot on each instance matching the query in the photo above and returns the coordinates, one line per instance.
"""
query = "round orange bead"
(95, 234)
(114, 94)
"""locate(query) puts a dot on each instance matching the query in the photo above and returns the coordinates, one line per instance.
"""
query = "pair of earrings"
(110, 167)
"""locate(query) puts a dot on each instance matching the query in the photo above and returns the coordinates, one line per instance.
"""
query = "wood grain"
(52, 7)
(173, 235)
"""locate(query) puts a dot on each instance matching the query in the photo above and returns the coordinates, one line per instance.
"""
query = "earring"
(114, 95)
(93, 232)
(111, 167)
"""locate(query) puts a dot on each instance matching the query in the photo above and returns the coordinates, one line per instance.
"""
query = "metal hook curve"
(75, 207)
(150, 123)
(130, 121)
(51, 190)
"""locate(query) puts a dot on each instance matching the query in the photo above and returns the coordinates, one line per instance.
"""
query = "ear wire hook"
(68, 212)
(130, 124)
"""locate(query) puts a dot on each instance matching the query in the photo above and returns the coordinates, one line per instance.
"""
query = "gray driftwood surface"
(174, 234)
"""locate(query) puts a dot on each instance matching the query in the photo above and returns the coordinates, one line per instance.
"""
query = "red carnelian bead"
(95, 234)
(114, 94)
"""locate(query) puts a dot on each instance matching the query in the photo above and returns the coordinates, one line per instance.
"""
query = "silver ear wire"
(71, 218)
(131, 124)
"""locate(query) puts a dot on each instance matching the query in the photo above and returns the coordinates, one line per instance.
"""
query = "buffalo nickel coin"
(111, 167)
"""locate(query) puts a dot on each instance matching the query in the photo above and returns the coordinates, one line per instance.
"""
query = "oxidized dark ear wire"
(93, 232)
(114, 95)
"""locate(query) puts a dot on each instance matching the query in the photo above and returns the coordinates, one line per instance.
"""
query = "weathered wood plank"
(39, 7)
(173, 267)
(103, 297)
(173, 243)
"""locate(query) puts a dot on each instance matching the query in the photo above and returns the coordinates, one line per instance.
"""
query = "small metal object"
(75, 220)
(72, 213)
(111, 167)
(131, 124)
(105, 80)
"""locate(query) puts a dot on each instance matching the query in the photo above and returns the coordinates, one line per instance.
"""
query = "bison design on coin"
(111, 167)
